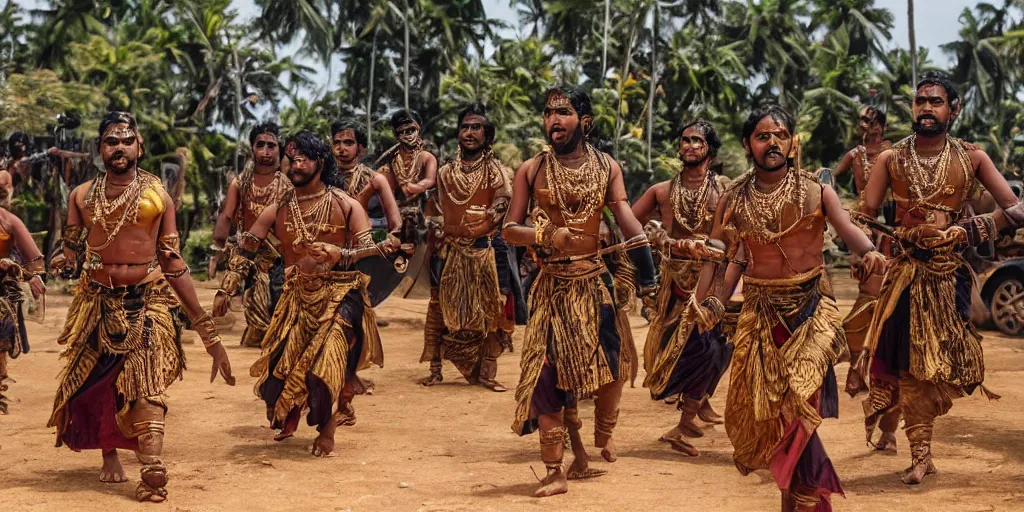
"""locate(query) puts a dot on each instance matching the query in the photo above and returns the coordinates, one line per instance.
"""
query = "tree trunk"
(369, 96)
(607, 25)
(237, 80)
(654, 83)
(623, 76)
(405, 20)
(913, 42)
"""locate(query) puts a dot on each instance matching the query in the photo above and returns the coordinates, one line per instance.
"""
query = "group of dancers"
(300, 221)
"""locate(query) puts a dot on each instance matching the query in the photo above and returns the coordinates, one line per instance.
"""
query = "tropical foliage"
(197, 74)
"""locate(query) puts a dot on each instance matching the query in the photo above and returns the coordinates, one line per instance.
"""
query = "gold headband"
(120, 130)
(558, 100)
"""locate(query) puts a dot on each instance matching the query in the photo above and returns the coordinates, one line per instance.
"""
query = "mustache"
(927, 116)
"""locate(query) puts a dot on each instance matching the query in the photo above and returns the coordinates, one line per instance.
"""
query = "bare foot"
(886, 443)
(581, 470)
(680, 445)
(112, 472)
(707, 414)
(608, 451)
(687, 428)
(552, 484)
(672, 400)
(323, 445)
(345, 416)
(433, 378)
(915, 474)
(493, 385)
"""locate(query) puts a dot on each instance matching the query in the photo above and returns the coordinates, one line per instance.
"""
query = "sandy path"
(451, 447)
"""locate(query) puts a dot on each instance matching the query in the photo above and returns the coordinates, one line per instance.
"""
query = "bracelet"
(207, 330)
(714, 304)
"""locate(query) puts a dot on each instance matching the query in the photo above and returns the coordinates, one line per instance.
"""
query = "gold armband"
(168, 253)
(33, 268)
(363, 239)
(206, 329)
(238, 269)
(709, 312)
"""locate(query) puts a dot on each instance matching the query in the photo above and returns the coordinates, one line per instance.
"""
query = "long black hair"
(309, 145)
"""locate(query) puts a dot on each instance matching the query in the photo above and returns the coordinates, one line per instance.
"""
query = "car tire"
(1007, 305)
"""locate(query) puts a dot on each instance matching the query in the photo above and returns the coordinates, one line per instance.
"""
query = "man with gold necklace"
(789, 334)
(260, 185)
(860, 160)
(123, 348)
(921, 349)
(15, 239)
(370, 188)
(683, 363)
(470, 277)
(323, 329)
(410, 170)
(572, 347)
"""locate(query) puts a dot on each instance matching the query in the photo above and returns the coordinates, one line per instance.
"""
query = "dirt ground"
(451, 447)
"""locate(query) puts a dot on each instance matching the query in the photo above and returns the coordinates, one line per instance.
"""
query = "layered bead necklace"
(588, 182)
(688, 205)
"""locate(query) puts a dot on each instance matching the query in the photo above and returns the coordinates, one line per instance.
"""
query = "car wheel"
(1007, 306)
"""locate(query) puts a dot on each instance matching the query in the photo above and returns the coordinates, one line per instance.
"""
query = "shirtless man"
(13, 338)
(258, 187)
(469, 273)
(682, 363)
(410, 170)
(789, 334)
(573, 344)
(324, 329)
(123, 349)
(921, 350)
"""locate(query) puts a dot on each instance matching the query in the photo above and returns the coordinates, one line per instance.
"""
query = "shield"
(384, 279)
(826, 177)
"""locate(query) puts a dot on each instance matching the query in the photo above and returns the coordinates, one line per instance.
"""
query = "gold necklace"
(318, 215)
(762, 210)
(460, 182)
(688, 205)
(356, 179)
(588, 181)
(405, 173)
(927, 176)
(258, 198)
(102, 208)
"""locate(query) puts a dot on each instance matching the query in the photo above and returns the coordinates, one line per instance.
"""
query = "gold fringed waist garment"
(469, 290)
(673, 311)
(11, 320)
(307, 336)
(925, 302)
(788, 337)
(131, 327)
(566, 303)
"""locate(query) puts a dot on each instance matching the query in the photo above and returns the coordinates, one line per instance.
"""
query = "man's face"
(562, 124)
(303, 170)
(472, 136)
(266, 152)
(693, 147)
(120, 148)
(408, 134)
(346, 148)
(867, 123)
(769, 144)
(932, 112)
(18, 150)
